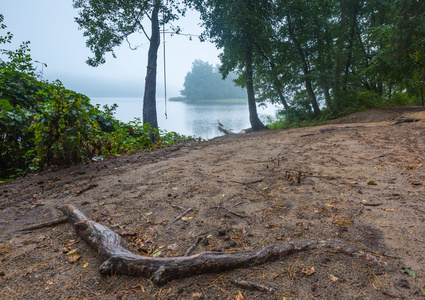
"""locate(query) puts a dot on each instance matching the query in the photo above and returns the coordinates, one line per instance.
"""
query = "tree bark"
(119, 260)
(149, 98)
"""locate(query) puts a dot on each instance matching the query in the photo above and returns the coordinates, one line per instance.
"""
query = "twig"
(47, 224)
(177, 206)
(86, 189)
(253, 286)
(360, 210)
(178, 218)
(372, 204)
(272, 160)
(249, 182)
(230, 211)
(202, 174)
(194, 245)
(308, 134)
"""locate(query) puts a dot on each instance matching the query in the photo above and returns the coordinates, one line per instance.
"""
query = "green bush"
(64, 130)
(15, 141)
(401, 99)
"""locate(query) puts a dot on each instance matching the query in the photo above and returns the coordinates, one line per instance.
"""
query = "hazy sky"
(55, 40)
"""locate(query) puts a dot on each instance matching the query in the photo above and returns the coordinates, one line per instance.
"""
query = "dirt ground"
(359, 180)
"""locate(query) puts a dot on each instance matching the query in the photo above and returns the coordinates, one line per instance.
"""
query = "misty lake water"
(191, 119)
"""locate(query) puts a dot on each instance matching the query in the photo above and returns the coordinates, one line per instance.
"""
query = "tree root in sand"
(119, 260)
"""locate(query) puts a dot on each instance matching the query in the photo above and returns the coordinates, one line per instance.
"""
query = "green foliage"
(44, 124)
(206, 83)
(64, 129)
(298, 115)
(15, 141)
(349, 55)
(402, 99)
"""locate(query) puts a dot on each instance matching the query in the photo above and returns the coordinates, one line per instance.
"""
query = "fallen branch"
(119, 260)
(222, 129)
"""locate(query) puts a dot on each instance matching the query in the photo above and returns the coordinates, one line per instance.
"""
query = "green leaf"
(5, 104)
(409, 272)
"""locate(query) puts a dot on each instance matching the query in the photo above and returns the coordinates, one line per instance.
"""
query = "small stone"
(221, 232)
(233, 244)
(197, 296)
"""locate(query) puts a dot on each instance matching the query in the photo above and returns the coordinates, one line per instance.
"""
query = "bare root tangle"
(119, 260)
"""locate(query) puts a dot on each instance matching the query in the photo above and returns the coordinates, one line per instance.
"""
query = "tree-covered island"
(205, 83)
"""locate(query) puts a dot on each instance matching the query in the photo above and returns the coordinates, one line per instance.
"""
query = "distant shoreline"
(228, 101)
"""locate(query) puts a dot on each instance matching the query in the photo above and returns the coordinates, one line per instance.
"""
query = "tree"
(198, 82)
(233, 26)
(108, 23)
(204, 82)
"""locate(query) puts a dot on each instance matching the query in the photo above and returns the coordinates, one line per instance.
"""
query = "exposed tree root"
(119, 260)
(47, 224)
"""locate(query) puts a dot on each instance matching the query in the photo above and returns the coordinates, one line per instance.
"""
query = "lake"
(190, 119)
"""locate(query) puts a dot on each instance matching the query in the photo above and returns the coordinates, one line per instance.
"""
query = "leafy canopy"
(108, 23)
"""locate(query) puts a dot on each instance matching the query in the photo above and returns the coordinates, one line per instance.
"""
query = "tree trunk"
(255, 121)
(350, 44)
(338, 59)
(281, 97)
(306, 70)
(149, 98)
(311, 95)
(276, 82)
(323, 50)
